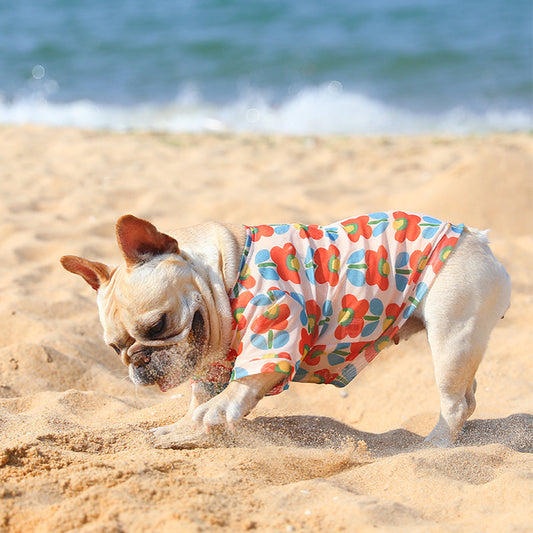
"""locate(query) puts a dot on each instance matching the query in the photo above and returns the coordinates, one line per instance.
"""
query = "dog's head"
(155, 309)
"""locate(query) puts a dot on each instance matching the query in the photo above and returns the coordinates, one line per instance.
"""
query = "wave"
(323, 110)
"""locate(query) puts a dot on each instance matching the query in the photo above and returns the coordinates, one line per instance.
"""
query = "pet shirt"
(318, 303)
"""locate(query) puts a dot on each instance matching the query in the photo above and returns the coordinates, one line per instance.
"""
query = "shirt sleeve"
(270, 341)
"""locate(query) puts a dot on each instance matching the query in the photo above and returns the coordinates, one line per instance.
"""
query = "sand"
(75, 447)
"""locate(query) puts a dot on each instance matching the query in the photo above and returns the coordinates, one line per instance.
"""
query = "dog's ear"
(140, 240)
(95, 274)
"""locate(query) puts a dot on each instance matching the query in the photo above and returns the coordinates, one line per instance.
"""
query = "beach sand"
(75, 450)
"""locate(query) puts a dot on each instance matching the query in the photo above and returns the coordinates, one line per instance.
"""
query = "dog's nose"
(138, 355)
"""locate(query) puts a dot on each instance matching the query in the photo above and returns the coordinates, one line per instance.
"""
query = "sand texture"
(75, 450)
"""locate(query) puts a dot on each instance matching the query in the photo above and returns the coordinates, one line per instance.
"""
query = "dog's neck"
(214, 251)
(215, 245)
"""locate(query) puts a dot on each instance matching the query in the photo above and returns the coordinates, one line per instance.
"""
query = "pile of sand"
(75, 450)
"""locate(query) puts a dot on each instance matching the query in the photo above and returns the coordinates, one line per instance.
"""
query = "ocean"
(270, 66)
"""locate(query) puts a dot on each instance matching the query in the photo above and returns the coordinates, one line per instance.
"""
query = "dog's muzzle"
(168, 366)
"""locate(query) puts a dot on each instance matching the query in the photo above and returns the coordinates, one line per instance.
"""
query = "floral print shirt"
(318, 303)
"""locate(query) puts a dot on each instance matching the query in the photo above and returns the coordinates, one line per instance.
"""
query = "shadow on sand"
(514, 431)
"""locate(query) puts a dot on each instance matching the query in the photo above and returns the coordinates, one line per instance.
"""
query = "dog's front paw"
(164, 430)
(183, 434)
(221, 410)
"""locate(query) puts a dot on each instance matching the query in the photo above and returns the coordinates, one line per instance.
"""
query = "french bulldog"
(243, 311)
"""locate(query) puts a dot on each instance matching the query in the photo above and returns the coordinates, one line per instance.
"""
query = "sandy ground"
(75, 450)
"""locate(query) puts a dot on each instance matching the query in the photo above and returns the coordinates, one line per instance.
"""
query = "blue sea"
(275, 66)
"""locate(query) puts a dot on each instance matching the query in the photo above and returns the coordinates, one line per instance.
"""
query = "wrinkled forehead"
(139, 292)
(144, 287)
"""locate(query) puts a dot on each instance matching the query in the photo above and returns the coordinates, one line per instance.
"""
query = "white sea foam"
(313, 111)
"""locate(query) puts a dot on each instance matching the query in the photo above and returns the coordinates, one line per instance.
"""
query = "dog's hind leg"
(456, 357)
(467, 299)
(470, 398)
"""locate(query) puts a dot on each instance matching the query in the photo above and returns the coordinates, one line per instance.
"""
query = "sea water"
(282, 66)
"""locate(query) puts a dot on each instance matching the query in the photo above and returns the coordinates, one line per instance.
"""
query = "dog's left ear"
(95, 274)
(140, 240)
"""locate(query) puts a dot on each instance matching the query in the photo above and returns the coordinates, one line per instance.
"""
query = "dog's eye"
(116, 348)
(158, 327)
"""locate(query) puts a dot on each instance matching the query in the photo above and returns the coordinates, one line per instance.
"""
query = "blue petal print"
(380, 227)
(402, 260)
(401, 282)
(429, 232)
(239, 372)
(357, 257)
(327, 309)
(421, 290)
(301, 300)
(310, 266)
(457, 228)
(356, 277)
(269, 273)
(259, 341)
(280, 339)
(261, 256)
(335, 359)
(349, 372)
(376, 306)
(408, 311)
(299, 374)
(369, 328)
(260, 299)
(276, 294)
(401, 278)
(280, 229)
(332, 233)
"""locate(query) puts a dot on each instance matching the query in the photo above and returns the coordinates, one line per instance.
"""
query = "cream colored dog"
(166, 312)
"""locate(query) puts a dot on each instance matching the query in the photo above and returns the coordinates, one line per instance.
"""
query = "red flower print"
(392, 312)
(380, 344)
(309, 334)
(350, 318)
(406, 226)
(287, 264)
(378, 269)
(442, 252)
(256, 232)
(314, 313)
(284, 366)
(355, 349)
(275, 317)
(324, 376)
(238, 305)
(313, 231)
(314, 354)
(418, 261)
(233, 354)
(307, 341)
(327, 265)
(370, 353)
(246, 279)
(357, 227)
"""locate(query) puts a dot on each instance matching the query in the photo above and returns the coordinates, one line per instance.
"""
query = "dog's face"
(154, 310)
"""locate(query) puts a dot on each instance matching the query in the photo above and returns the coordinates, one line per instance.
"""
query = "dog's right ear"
(95, 274)
(140, 240)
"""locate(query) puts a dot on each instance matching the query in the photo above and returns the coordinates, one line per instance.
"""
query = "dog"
(245, 310)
